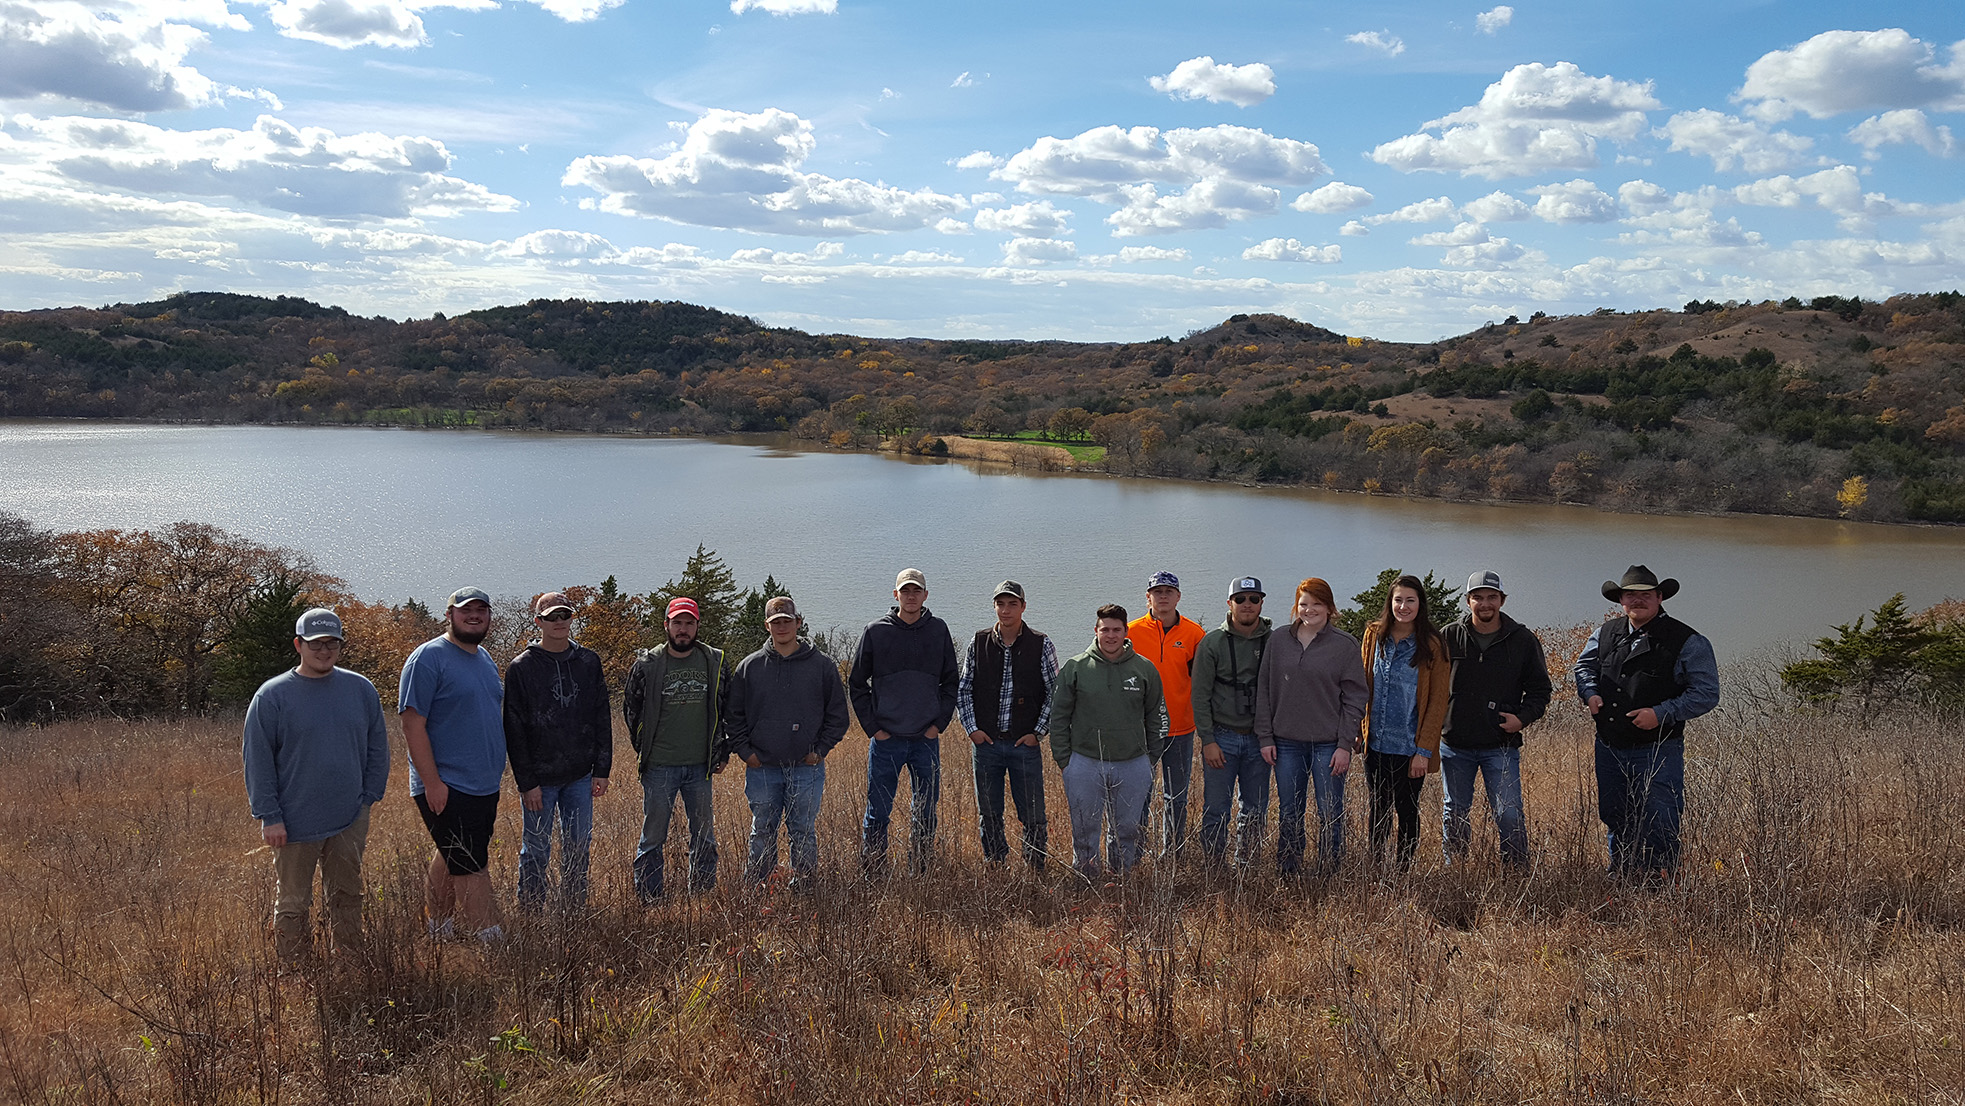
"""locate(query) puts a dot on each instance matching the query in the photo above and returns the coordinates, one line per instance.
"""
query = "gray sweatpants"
(1105, 790)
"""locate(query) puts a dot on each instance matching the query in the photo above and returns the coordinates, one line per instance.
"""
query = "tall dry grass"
(1811, 952)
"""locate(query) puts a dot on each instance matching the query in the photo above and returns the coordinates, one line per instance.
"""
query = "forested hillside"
(1835, 406)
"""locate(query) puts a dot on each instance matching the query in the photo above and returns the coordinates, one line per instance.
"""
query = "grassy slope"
(1811, 954)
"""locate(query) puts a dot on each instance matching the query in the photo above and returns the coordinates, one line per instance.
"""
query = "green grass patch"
(1081, 450)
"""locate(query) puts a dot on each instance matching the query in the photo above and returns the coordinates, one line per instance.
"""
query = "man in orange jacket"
(1169, 640)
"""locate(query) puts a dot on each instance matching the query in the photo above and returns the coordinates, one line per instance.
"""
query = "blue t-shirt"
(462, 703)
(1394, 699)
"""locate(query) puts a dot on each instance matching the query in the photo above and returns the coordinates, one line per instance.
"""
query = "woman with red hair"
(1310, 698)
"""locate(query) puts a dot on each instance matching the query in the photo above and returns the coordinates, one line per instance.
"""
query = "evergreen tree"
(258, 644)
(1442, 603)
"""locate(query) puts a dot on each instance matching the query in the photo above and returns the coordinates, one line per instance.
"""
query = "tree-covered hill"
(1834, 406)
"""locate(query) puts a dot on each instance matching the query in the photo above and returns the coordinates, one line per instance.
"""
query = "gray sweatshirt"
(1315, 695)
(316, 752)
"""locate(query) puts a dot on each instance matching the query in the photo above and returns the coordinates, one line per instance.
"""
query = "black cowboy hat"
(1640, 578)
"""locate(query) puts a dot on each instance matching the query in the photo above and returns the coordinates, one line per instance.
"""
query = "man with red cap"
(674, 706)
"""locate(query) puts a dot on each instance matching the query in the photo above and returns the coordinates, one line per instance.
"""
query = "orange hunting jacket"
(1172, 653)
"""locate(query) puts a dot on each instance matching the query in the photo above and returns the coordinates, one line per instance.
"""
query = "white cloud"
(1578, 201)
(1203, 78)
(1840, 71)
(1494, 251)
(1642, 197)
(349, 23)
(741, 171)
(1332, 199)
(786, 7)
(1463, 234)
(1289, 249)
(1735, 143)
(924, 257)
(121, 58)
(1230, 173)
(1906, 126)
(981, 159)
(1354, 229)
(962, 80)
(1496, 207)
(1838, 189)
(948, 224)
(559, 245)
(1494, 19)
(1032, 220)
(572, 11)
(765, 255)
(1135, 254)
(1434, 210)
(1385, 41)
(1535, 118)
(277, 166)
(1024, 252)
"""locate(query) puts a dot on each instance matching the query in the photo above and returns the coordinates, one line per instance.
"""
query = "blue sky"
(1094, 171)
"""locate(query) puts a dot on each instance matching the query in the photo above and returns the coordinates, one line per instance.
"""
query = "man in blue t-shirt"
(317, 757)
(451, 702)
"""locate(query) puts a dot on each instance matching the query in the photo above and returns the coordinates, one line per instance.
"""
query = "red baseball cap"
(683, 605)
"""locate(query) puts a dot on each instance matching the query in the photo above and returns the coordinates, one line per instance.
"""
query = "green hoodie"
(1224, 680)
(1108, 710)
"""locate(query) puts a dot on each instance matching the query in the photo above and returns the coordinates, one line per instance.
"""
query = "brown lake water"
(402, 513)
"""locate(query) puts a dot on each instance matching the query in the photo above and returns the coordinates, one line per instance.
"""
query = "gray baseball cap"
(1487, 578)
(468, 595)
(1007, 587)
(317, 624)
(1242, 584)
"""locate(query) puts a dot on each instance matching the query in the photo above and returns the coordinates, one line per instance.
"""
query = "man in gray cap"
(559, 738)
(317, 757)
(1643, 675)
(1225, 668)
(450, 699)
(1010, 669)
(787, 710)
(1500, 686)
(903, 685)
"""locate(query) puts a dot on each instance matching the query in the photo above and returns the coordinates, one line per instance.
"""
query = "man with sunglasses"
(317, 757)
(1225, 667)
(559, 737)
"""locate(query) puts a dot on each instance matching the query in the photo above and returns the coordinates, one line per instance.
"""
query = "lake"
(402, 513)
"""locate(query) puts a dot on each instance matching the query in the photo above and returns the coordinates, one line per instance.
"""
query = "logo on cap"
(1489, 579)
(683, 605)
(1243, 585)
(317, 624)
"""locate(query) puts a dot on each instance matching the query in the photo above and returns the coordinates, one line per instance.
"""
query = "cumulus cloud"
(1230, 173)
(124, 58)
(1496, 207)
(1642, 197)
(1735, 143)
(1025, 252)
(1203, 78)
(1332, 199)
(786, 7)
(1842, 71)
(738, 170)
(1289, 249)
(1420, 211)
(349, 23)
(1389, 44)
(1493, 19)
(1136, 254)
(981, 159)
(277, 166)
(1354, 229)
(1578, 201)
(1463, 234)
(1032, 220)
(558, 245)
(1535, 118)
(1838, 189)
(1906, 126)
(765, 255)
(924, 257)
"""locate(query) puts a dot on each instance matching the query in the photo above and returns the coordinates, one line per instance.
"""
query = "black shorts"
(463, 831)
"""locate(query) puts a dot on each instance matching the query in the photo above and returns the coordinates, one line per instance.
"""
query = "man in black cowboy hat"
(1643, 676)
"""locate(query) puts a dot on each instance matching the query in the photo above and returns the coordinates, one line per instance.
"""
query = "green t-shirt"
(682, 731)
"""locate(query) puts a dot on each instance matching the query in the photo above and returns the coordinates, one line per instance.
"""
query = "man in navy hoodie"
(903, 683)
(785, 713)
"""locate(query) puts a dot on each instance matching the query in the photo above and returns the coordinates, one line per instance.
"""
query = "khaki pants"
(340, 860)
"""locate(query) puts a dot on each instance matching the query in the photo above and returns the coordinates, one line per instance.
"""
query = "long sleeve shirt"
(965, 692)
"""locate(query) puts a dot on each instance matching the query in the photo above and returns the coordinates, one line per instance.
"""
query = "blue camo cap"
(1163, 580)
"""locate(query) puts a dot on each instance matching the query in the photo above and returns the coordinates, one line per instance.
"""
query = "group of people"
(1299, 702)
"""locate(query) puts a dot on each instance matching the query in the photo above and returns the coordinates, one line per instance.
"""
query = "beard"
(681, 644)
(469, 637)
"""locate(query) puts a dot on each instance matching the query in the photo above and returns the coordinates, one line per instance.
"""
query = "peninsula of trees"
(1832, 406)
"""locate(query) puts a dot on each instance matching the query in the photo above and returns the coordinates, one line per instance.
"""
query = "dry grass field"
(1812, 952)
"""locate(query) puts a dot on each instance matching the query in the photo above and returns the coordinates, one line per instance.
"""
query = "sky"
(1084, 171)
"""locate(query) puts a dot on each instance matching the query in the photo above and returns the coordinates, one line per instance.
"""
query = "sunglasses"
(1247, 599)
(556, 616)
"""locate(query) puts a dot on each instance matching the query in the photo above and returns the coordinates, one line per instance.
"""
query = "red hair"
(1320, 591)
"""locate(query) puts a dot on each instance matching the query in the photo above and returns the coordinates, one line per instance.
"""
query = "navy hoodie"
(905, 676)
(782, 708)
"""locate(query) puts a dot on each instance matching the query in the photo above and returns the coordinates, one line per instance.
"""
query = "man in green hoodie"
(1108, 729)
(1225, 667)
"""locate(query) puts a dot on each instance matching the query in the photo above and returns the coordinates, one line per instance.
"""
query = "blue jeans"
(1176, 779)
(923, 760)
(1243, 766)
(574, 805)
(1302, 768)
(1501, 771)
(1023, 765)
(1640, 797)
(788, 793)
(660, 785)
(1105, 792)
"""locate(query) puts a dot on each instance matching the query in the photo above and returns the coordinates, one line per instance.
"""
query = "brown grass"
(1811, 953)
